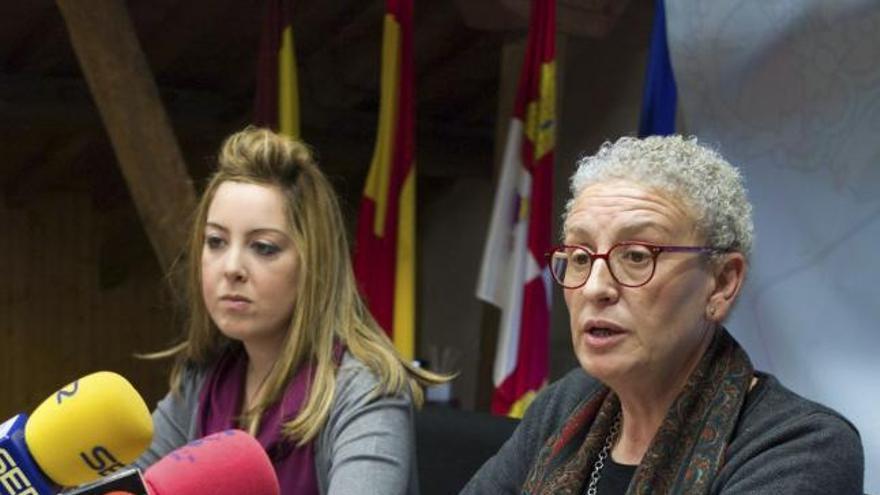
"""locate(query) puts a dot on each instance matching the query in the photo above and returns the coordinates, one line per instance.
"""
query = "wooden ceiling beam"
(128, 101)
(587, 18)
(64, 104)
(52, 168)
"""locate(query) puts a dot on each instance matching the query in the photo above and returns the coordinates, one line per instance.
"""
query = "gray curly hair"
(683, 168)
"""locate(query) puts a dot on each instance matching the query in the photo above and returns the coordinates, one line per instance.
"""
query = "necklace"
(603, 454)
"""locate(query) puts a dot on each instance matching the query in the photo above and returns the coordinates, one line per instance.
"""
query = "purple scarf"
(220, 406)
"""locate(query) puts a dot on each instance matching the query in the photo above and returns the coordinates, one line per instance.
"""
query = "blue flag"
(659, 100)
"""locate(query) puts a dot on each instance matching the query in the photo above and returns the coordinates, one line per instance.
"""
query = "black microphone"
(126, 482)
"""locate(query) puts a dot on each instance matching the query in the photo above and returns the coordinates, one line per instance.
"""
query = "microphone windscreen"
(230, 462)
(89, 429)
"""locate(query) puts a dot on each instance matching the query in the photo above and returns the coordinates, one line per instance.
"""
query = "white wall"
(790, 92)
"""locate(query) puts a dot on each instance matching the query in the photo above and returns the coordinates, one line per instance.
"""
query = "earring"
(711, 311)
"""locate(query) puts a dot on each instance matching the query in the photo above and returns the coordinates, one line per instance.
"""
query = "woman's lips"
(235, 303)
(602, 335)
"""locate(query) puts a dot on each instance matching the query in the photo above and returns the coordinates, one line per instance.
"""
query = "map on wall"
(790, 93)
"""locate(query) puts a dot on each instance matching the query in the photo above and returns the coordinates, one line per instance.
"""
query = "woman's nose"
(601, 287)
(234, 266)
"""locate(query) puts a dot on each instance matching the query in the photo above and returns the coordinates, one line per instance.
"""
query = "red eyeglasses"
(631, 263)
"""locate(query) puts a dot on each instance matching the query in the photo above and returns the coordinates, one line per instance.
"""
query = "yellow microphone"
(89, 429)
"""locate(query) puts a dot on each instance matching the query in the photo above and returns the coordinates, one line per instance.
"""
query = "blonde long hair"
(328, 307)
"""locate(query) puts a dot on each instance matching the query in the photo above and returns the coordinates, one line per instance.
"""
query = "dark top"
(782, 444)
(614, 478)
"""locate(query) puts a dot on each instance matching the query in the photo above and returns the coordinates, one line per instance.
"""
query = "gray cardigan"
(782, 444)
(366, 447)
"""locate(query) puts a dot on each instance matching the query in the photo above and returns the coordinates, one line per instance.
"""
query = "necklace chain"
(603, 455)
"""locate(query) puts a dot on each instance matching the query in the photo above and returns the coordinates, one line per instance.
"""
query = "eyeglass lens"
(630, 264)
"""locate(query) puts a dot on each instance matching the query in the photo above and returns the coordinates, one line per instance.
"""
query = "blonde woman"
(279, 343)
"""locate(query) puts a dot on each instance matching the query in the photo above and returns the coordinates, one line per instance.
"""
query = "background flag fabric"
(514, 275)
(277, 96)
(660, 95)
(384, 260)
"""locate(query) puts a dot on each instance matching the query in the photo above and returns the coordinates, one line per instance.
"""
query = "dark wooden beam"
(128, 101)
(589, 18)
(51, 167)
(62, 104)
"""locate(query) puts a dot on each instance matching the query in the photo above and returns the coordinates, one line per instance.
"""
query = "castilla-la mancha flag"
(384, 260)
(514, 275)
(277, 97)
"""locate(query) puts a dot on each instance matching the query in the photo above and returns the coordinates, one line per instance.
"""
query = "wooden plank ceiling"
(202, 54)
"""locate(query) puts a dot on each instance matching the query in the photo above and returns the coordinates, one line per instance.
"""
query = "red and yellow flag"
(385, 257)
(514, 275)
(277, 99)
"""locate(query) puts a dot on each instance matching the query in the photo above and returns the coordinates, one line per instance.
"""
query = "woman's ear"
(729, 273)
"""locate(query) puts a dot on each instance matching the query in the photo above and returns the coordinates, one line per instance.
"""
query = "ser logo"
(101, 461)
(70, 391)
(12, 479)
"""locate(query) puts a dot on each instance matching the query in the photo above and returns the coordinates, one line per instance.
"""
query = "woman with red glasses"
(655, 249)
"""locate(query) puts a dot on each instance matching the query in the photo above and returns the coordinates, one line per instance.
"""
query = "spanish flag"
(385, 257)
(277, 98)
(514, 275)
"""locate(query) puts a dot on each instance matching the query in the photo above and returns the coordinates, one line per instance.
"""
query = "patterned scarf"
(220, 407)
(688, 449)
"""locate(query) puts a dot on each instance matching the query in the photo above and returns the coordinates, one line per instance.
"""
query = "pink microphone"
(230, 462)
